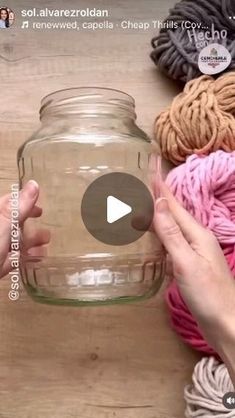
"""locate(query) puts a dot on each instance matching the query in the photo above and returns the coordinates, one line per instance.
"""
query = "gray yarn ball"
(174, 54)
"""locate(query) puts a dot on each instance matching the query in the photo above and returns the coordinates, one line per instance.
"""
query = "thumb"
(171, 236)
(27, 200)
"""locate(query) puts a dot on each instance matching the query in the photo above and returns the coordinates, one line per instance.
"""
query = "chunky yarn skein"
(200, 120)
(205, 186)
(182, 320)
(175, 53)
(204, 397)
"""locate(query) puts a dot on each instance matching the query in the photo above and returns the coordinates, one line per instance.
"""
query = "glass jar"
(86, 133)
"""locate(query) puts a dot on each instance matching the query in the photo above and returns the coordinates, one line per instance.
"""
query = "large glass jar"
(86, 133)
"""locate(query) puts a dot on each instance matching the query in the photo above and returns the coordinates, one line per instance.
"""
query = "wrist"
(226, 345)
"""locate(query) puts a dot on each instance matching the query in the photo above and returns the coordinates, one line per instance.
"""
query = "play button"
(117, 208)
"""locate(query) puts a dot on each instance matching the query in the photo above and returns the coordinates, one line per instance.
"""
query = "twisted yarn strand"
(172, 51)
(210, 382)
(205, 186)
(200, 120)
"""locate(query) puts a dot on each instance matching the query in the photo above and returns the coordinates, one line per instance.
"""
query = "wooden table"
(120, 361)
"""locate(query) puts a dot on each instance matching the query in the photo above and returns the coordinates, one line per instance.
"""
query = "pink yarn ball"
(205, 185)
(182, 320)
(206, 188)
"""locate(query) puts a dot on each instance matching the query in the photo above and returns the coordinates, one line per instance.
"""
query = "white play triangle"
(116, 209)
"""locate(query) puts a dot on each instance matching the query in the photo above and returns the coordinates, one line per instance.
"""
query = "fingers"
(172, 238)
(6, 267)
(34, 246)
(27, 199)
(201, 239)
(141, 222)
(35, 212)
(5, 231)
(37, 238)
(39, 251)
(191, 229)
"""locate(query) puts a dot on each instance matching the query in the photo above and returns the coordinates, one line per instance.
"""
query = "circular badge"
(117, 209)
(214, 59)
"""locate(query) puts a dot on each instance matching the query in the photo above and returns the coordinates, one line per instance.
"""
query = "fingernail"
(162, 205)
(32, 188)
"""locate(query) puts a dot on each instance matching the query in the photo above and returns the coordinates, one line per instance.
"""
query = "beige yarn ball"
(204, 397)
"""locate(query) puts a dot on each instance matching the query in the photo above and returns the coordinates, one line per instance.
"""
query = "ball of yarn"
(200, 120)
(204, 397)
(183, 322)
(173, 52)
(205, 186)
(181, 318)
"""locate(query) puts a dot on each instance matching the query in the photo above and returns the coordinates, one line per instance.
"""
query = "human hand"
(27, 209)
(201, 271)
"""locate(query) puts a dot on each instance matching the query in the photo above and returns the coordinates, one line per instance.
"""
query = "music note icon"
(25, 24)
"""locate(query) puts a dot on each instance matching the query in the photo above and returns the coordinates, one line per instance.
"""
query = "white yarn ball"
(204, 397)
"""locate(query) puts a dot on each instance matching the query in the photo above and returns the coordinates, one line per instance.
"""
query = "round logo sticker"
(214, 59)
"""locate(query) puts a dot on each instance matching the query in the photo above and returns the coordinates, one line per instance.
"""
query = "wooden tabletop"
(116, 361)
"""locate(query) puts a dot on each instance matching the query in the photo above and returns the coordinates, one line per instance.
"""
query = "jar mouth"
(88, 101)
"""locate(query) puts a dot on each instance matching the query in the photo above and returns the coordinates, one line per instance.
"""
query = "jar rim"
(57, 93)
(88, 101)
